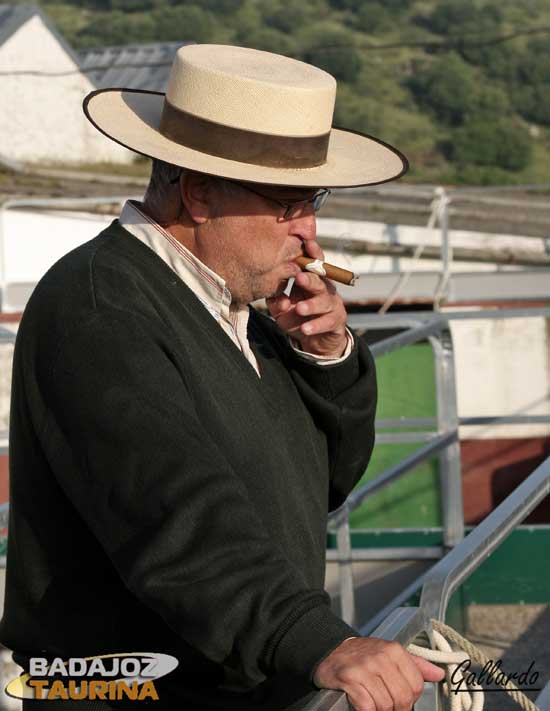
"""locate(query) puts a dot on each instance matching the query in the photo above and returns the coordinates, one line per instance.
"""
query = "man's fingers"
(429, 671)
(312, 249)
(382, 698)
(360, 698)
(328, 323)
(400, 690)
(412, 674)
(278, 305)
(314, 283)
(320, 304)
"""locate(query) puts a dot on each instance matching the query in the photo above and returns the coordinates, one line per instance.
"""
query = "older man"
(174, 452)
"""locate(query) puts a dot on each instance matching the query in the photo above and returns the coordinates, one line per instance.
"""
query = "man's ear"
(196, 194)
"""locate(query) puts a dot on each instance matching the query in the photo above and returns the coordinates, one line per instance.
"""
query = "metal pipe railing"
(403, 624)
(446, 576)
(356, 498)
(443, 443)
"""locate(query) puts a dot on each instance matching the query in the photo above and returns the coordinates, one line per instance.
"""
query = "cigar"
(343, 276)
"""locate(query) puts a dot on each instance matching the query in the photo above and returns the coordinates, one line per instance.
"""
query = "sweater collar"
(207, 286)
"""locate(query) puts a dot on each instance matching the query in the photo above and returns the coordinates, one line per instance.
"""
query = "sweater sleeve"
(342, 400)
(125, 443)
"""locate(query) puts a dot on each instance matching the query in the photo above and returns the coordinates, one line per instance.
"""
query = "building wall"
(41, 118)
(503, 368)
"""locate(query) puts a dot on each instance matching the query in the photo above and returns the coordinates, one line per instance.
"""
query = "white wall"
(41, 117)
(503, 368)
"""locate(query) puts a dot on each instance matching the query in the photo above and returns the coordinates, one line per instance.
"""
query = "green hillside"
(461, 86)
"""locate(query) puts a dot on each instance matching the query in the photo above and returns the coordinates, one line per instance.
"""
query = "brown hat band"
(241, 145)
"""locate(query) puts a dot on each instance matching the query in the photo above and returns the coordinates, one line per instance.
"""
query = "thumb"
(429, 671)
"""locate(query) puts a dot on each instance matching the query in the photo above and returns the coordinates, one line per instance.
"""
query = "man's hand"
(375, 674)
(314, 315)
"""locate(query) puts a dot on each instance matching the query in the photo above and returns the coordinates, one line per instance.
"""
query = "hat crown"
(252, 90)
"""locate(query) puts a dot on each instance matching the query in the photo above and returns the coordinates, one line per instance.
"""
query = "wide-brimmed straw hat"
(246, 115)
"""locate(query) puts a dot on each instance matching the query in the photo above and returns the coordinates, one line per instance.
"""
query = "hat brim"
(131, 117)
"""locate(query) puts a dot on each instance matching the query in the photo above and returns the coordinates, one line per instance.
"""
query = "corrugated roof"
(134, 66)
(12, 17)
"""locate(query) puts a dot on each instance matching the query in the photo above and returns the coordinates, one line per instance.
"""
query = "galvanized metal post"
(447, 420)
(345, 570)
(446, 248)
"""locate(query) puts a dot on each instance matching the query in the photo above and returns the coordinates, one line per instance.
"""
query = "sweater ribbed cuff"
(310, 639)
(329, 381)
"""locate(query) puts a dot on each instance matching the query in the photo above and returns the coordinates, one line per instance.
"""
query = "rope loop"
(465, 694)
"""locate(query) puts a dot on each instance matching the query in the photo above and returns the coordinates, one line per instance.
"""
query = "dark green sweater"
(163, 497)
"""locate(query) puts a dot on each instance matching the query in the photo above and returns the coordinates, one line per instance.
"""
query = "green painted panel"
(517, 572)
(406, 388)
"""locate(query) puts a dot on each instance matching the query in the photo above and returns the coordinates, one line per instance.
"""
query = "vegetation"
(462, 86)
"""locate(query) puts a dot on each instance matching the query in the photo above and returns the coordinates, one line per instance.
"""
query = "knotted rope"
(473, 698)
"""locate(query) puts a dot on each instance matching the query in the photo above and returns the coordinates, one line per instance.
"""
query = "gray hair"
(162, 199)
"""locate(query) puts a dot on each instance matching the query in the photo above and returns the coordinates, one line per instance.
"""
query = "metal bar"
(403, 625)
(505, 420)
(402, 422)
(413, 318)
(327, 700)
(450, 477)
(446, 247)
(402, 597)
(388, 553)
(62, 202)
(404, 437)
(345, 572)
(357, 497)
(395, 422)
(543, 699)
(4, 515)
(407, 338)
(446, 576)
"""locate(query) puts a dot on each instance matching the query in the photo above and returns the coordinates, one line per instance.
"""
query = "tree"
(184, 22)
(446, 87)
(117, 28)
(461, 17)
(271, 40)
(332, 49)
(292, 15)
(500, 143)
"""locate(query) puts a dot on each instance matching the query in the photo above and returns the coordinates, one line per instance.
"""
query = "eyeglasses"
(292, 209)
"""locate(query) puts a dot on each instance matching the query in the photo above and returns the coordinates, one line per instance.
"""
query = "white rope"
(437, 209)
(471, 697)
(443, 654)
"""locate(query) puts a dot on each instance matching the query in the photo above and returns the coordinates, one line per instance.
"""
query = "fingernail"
(306, 328)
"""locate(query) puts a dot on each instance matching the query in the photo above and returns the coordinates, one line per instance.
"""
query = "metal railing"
(439, 582)
(403, 624)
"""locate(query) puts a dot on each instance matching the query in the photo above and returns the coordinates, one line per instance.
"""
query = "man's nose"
(304, 225)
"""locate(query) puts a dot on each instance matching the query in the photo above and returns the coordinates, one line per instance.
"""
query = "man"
(174, 452)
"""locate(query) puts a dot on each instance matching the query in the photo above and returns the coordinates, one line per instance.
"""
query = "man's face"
(251, 245)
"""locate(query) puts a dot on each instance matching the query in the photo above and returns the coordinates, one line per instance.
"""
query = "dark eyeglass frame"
(316, 202)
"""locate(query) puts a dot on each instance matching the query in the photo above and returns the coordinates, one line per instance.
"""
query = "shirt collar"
(208, 286)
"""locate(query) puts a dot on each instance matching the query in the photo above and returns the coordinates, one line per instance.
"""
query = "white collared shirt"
(207, 286)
